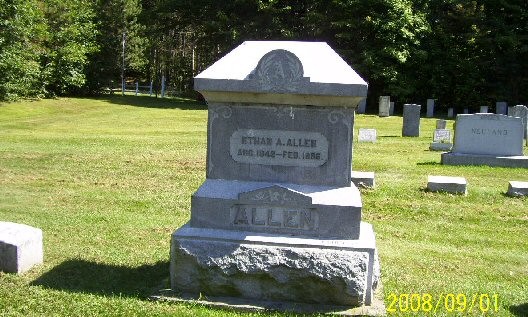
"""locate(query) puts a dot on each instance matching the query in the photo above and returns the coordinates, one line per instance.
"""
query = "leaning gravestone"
(487, 139)
(384, 106)
(411, 120)
(441, 124)
(277, 218)
(367, 135)
(521, 111)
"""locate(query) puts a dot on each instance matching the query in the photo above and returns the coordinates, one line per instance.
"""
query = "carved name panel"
(278, 147)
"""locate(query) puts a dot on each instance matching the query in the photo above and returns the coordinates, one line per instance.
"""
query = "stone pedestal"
(277, 217)
(276, 268)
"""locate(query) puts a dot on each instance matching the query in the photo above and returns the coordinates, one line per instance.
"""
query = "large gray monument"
(487, 139)
(277, 218)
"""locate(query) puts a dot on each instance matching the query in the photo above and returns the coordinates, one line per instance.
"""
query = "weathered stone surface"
(20, 247)
(516, 188)
(287, 209)
(391, 108)
(454, 185)
(384, 106)
(488, 134)
(268, 267)
(450, 112)
(367, 135)
(411, 120)
(363, 179)
(290, 144)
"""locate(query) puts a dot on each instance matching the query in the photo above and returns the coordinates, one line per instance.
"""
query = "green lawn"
(108, 181)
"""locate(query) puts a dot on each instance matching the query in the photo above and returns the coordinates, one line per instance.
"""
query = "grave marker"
(278, 182)
(487, 139)
(367, 135)
(411, 120)
(430, 108)
(384, 106)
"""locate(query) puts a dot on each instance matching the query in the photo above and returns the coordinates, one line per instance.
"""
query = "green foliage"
(22, 27)
(71, 38)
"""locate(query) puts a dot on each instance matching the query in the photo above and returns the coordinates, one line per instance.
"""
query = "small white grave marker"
(367, 135)
(448, 184)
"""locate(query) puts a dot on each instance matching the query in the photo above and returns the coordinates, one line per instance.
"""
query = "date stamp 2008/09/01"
(449, 302)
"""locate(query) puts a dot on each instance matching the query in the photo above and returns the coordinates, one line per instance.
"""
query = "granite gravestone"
(367, 135)
(391, 108)
(277, 218)
(441, 124)
(487, 139)
(441, 140)
(521, 111)
(20, 247)
(362, 107)
(384, 106)
(450, 112)
(411, 120)
(501, 107)
(430, 108)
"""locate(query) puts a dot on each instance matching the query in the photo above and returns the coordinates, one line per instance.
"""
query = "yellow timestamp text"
(449, 302)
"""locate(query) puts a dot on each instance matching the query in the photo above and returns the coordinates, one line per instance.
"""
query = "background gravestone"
(277, 218)
(450, 112)
(411, 120)
(483, 109)
(521, 111)
(367, 135)
(501, 107)
(20, 247)
(430, 108)
(362, 106)
(391, 108)
(384, 106)
(441, 124)
(487, 139)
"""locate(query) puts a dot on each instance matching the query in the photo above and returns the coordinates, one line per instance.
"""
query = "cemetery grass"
(109, 179)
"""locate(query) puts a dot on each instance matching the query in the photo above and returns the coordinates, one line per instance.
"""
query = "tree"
(21, 30)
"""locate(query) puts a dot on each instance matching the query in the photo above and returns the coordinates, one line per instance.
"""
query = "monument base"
(266, 267)
(471, 159)
(438, 146)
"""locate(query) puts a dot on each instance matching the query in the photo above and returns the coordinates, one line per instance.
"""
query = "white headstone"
(488, 134)
(20, 247)
(448, 184)
(367, 135)
(442, 135)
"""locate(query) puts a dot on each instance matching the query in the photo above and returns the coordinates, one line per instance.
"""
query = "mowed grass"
(108, 180)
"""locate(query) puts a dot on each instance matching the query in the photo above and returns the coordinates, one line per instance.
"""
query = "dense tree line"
(463, 53)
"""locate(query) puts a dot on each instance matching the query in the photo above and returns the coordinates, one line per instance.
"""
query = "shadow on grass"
(520, 310)
(103, 279)
(153, 102)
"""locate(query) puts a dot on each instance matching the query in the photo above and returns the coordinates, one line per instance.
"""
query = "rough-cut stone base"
(267, 267)
(20, 247)
(437, 146)
(454, 185)
(470, 159)
(517, 188)
(363, 179)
